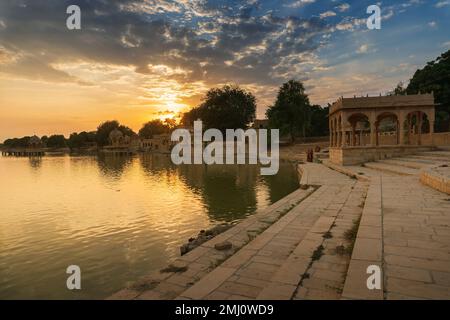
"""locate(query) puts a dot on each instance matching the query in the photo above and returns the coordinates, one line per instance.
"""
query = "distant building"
(35, 142)
(158, 143)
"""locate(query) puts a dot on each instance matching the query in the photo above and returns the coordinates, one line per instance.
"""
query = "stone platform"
(357, 155)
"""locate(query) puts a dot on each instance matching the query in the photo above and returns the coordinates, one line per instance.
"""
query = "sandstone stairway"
(411, 164)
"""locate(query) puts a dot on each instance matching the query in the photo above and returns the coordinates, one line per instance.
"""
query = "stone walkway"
(296, 257)
(415, 238)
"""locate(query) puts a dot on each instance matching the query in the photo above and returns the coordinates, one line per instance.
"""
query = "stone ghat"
(185, 271)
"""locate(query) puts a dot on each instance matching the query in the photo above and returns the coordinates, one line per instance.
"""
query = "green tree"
(399, 90)
(153, 127)
(79, 140)
(17, 142)
(318, 126)
(229, 107)
(105, 128)
(189, 117)
(56, 141)
(291, 112)
(103, 131)
(435, 77)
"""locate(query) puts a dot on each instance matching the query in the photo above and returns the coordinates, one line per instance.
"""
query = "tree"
(318, 126)
(56, 141)
(399, 90)
(291, 112)
(17, 142)
(153, 127)
(189, 117)
(435, 77)
(229, 107)
(79, 140)
(104, 129)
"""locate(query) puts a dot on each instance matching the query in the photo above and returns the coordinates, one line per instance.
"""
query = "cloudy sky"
(135, 60)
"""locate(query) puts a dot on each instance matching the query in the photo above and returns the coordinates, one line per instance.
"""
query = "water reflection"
(113, 166)
(117, 217)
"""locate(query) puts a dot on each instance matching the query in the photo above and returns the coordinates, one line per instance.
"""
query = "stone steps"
(405, 163)
(391, 168)
(435, 159)
(443, 154)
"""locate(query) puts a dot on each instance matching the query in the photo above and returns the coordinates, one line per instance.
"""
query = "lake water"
(118, 218)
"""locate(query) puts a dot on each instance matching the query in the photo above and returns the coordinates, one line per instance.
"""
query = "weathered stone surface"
(225, 245)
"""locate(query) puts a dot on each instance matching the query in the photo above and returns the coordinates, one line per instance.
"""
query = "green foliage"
(104, 129)
(17, 142)
(229, 107)
(318, 126)
(291, 112)
(82, 139)
(153, 127)
(435, 77)
(56, 141)
(399, 90)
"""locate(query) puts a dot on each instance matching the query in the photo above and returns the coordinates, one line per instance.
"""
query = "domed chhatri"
(115, 137)
(35, 142)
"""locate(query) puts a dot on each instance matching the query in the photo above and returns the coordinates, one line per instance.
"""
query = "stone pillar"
(431, 131)
(373, 134)
(401, 131)
(353, 140)
(419, 128)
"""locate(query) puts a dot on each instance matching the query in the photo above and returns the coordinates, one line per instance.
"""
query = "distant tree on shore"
(79, 140)
(153, 127)
(17, 142)
(229, 107)
(291, 112)
(56, 141)
(104, 129)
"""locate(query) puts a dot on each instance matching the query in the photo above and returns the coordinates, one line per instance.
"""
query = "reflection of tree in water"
(113, 165)
(35, 162)
(281, 184)
(159, 166)
(154, 163)
(228, 191)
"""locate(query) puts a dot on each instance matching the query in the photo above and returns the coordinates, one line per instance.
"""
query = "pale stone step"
(417, 160)
(444, 154)
(391, 168)
(430, 158)
(405, 163)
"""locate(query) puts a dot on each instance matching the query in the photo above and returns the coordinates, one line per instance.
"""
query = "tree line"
(433, 77)
(228, 107)
(231, 107)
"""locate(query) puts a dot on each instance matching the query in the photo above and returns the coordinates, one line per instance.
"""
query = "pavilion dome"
(115, 134)
(34, 141)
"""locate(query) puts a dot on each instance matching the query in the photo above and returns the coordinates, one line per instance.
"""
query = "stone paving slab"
(415, 235)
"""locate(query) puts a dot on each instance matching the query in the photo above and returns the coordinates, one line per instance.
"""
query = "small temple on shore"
(371, 128)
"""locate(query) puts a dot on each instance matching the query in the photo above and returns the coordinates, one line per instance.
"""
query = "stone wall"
(441, 139)
(358, 155)
(437, 178)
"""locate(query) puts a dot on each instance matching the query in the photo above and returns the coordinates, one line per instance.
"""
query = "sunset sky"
(138, 60)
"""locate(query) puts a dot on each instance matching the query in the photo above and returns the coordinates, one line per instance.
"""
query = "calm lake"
(118, 218)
